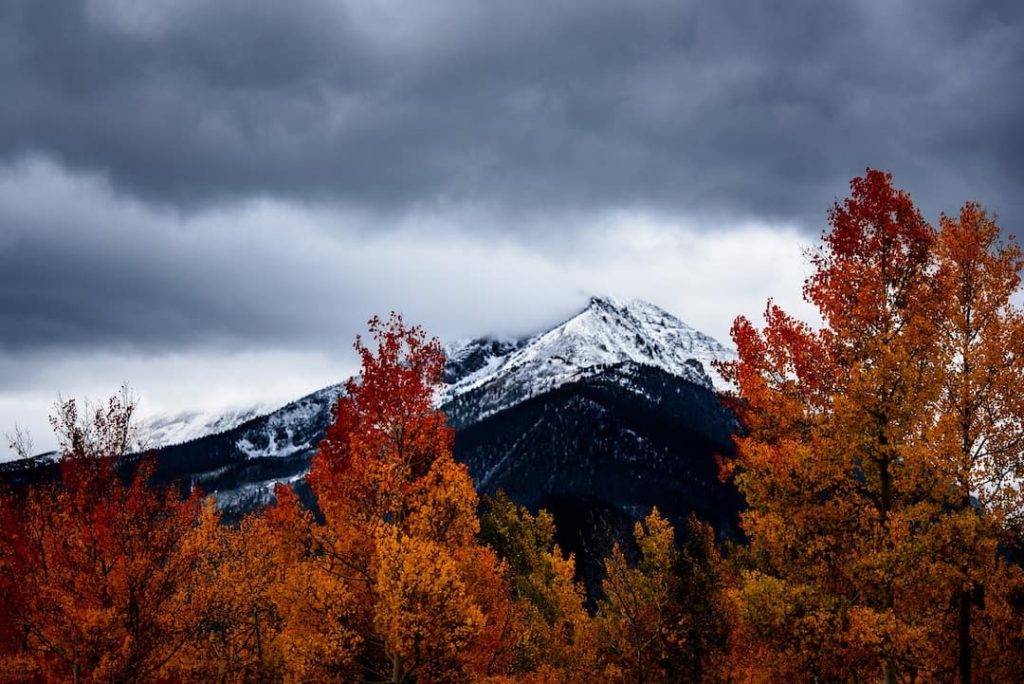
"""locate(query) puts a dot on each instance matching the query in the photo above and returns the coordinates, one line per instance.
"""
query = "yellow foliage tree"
(637, 617)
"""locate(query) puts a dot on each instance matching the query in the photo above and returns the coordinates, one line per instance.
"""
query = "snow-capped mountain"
(605, 333)
(497, 372)
(500, 373)
(598, 419)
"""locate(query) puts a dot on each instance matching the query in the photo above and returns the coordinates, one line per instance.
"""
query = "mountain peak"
(604, 333)
(606, 303)
(638, 311)
(601, 302)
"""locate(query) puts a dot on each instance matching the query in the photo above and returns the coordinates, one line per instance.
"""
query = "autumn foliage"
(880, 455)
(93, 570)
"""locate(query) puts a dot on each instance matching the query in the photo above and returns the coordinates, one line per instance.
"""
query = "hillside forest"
(880, 457)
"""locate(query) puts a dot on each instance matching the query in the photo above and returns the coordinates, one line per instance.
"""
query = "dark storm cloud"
(85, 270)
(82, 269)
(749, 109)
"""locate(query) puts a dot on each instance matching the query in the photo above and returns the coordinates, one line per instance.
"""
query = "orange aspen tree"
(883, 452)
(834, 463)
(391, 586)
(230, 596)
(92, 567)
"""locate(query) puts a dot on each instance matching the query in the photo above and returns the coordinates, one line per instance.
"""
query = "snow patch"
(160, 431)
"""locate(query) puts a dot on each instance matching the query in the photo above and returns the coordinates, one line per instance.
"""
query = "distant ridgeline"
(598, 419)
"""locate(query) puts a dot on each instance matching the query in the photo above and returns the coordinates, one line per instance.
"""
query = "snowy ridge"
(477, 355)
(252, 495)
(290, 429)
(605, 333)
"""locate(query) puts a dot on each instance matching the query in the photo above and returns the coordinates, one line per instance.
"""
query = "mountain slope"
(599, 452)
(241, 466)
(631, 435)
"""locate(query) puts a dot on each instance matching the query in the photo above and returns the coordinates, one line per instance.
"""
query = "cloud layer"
(733, 108)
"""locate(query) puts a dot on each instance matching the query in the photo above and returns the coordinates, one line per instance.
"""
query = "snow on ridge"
(285, 427)
(305, 408)
(281, 421)
(160, 431)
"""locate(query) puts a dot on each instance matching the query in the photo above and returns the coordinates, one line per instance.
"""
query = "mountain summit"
(498, 373)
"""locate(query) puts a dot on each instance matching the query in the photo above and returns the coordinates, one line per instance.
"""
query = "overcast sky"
(208, 199)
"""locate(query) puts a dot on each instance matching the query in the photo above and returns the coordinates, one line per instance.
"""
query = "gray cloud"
(83, 270)
(728, 108)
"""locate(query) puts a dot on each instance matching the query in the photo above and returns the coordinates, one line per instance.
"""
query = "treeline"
(881, 459)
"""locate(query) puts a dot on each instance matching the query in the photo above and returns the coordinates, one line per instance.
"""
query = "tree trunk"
(397, 670)
(964, 599)
(964, 629)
